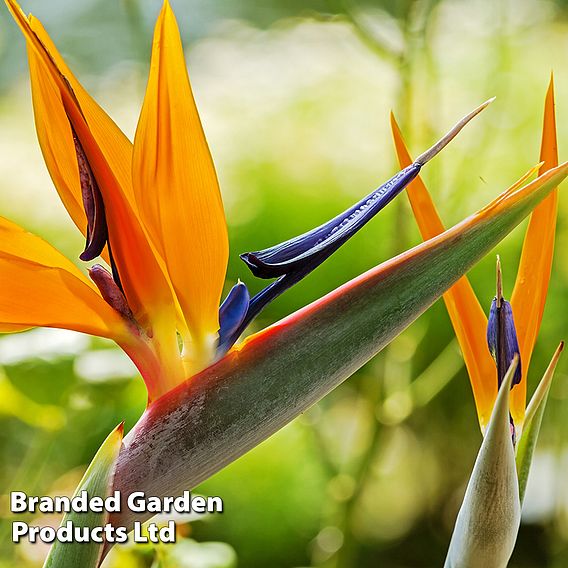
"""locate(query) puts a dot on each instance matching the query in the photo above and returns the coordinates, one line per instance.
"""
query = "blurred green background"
(295, 97)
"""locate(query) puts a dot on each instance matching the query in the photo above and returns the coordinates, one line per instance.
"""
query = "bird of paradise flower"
(488, 522)
(153, 212)
(529, 293)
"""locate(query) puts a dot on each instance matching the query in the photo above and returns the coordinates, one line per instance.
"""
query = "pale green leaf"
(533, 420)
(488, 521)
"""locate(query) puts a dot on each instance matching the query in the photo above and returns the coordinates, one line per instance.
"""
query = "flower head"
(152, 212)
(528, 297)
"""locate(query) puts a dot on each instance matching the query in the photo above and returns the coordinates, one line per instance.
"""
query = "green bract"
(490, 516)
(97, 481)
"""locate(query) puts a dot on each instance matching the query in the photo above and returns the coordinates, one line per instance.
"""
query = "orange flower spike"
(531, 286)
(55, 135)
(103, 172)
(146, 287)
(177, 189)
(130, 231)
(113, 143)
(466, 314)
(423, 207)
(56, 140)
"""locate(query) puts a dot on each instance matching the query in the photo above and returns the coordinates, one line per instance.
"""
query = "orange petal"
(13, 328)
(531, 287)
(145, 285)
(464, 309)
(423, 207)
(176, 185)
(114, 144)
(55, 135)
(40, 287)
(56, 140)
(54, 130)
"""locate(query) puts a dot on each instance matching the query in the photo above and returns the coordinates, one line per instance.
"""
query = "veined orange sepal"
(40, 287)
(176, 187)
(531, 286)
(465, 311)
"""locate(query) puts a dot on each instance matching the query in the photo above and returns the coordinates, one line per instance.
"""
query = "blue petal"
(501, 324)
(294, 259)
(310, 249)
(232, 314)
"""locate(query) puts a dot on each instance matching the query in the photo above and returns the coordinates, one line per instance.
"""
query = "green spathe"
(533, 420)
(202, 425)
(489, 519)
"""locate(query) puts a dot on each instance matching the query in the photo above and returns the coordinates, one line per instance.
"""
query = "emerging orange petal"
(113, 143)
(40, 287)
(176, 186)
(55, 134)
(467, 316)
(56, 140)
(146, 287)
(531, 286)
(144, 283)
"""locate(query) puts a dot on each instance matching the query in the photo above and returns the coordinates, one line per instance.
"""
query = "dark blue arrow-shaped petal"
(502, 335)
(310, 249)
(295, 258)
(232, 313)
(313, 247)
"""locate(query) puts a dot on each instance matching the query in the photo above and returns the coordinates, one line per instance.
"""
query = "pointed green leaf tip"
(533, 420)
(489, 519)
(97, 481)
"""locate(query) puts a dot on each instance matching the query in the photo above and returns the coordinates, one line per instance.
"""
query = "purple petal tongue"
(97, 233)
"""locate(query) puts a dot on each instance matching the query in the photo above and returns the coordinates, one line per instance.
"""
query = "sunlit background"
(295, 96)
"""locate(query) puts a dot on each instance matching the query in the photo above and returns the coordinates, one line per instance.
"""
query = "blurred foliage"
(294, 98)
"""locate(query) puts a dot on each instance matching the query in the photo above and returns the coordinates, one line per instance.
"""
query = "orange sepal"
(113, 143)
(176, 186)
(466, 314)
(40, 287)
(146, 287)
(531, 286)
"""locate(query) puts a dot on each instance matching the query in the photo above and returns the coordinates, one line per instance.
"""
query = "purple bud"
(97, 232)
(502, 339)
